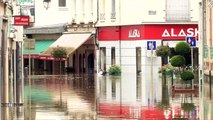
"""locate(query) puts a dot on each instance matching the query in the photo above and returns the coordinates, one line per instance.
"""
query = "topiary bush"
(187, 75)
(163, 51)
(178, 61)
(115, 70)
(182, 48)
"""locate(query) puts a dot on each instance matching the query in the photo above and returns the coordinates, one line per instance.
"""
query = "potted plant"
(114, 72)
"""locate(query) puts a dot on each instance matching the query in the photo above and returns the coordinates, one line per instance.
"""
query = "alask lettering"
(180, 33)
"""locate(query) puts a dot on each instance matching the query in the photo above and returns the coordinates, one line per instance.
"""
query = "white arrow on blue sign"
(151, 45)
(191, 40)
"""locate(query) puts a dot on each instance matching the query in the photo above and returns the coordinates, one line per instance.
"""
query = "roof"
(47, 29)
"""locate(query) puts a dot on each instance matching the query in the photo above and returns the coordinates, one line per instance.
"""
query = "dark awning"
(49, 29)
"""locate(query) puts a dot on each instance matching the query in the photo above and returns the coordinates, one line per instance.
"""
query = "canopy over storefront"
(68, 41)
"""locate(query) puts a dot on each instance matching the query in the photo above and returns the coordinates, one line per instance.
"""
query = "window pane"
(177, 10)
(62, 3)
(113, 56)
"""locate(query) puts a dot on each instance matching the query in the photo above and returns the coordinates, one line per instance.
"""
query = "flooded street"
(83, 97)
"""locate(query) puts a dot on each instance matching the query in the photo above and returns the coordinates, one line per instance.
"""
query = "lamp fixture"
(46, 3)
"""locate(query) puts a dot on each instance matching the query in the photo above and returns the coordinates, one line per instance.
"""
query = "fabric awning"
(40, 46)
(68, 41)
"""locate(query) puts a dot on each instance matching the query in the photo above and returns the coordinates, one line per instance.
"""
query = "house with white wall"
(129, 33)
(54, 19)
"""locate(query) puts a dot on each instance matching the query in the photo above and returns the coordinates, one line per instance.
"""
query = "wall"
(55, 14)
(137, 12)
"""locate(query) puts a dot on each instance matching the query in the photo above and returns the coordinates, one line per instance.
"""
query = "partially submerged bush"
(115, 70)
(178, 61)
(187, 75)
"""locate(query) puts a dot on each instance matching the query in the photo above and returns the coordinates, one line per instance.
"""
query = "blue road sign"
(191, 40)
(151, 45)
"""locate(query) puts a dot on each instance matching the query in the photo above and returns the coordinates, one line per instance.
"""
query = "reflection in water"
(68, 97)
(73, 97)
(126, 98)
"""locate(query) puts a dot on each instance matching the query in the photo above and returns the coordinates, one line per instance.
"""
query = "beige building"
(207, 36)
(11, 37)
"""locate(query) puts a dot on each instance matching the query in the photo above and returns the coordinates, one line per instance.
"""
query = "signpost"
(192, 42)
(151, 45)
(29, 44)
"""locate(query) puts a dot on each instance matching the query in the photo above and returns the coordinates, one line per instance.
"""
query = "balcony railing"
(102, 16)
(113, 15)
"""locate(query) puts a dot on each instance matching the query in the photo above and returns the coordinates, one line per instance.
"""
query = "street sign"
(21, 20)
(29, 44)
(151, 45)
(191, 40)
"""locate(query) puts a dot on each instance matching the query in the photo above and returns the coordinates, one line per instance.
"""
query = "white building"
(52, 22)
(127, 30)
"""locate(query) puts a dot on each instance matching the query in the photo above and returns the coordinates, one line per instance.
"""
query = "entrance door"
(91, 63)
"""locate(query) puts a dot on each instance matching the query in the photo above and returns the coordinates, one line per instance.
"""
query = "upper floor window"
(113, 6)
(62, 3)
(177, 10)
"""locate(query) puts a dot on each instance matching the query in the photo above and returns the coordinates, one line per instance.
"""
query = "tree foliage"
(178, 61)
(182, 48)
(163, 51)
(59, 52)
(187, 75)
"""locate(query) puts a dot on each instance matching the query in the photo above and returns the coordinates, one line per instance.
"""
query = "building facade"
(11, 71)
(129, 33)
(64, 17)
(207, 28)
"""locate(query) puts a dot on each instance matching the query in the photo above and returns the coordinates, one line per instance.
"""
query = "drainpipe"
(97, 61)
(201, 65)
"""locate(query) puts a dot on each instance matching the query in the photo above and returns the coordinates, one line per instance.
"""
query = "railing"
(113, 15)
(102, 16)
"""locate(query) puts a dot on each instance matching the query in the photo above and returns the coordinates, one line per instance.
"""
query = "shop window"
(113, 56)
(103, 58)
(138, 72)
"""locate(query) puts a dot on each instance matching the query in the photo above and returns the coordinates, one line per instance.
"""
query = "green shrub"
(182, 48)
(59, 52)
(114, 70)
(163, 51)
(187, 107)
(166, 68)
(187, 75)
(178, 61)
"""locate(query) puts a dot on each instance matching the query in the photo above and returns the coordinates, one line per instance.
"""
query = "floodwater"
(92, 97)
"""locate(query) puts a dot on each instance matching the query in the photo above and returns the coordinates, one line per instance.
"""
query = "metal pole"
(1, 78)
(192, 58)
(29, 77)
(210, 85)
(152, 72)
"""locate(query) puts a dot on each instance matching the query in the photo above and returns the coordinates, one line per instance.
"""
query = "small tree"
(163, 52)
(182, 48)
(59, 53)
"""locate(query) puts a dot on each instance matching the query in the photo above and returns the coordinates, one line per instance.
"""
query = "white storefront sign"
(181, 33)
